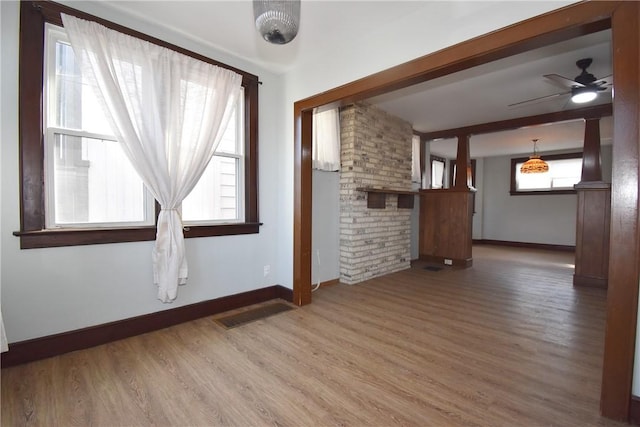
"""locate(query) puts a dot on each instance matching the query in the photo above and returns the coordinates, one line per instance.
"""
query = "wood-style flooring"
(508, 342)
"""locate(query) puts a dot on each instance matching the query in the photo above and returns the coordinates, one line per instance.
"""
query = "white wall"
(325, 216)
(46, 291)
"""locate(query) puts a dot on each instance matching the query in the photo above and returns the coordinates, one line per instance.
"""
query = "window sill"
(541, 192)
(96, 236)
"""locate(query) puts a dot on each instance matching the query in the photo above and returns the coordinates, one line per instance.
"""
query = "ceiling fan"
(584, 88)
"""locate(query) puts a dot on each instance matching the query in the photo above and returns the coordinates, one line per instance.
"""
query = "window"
(77, 186)
(88, 180)
(217, 198)
(437, 172)
(565, 171)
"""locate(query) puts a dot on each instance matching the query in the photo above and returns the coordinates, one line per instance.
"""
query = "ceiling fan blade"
(563, 81)
(605, 81)
(539, 99)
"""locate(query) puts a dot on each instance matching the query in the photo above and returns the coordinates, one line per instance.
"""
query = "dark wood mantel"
(377, 197)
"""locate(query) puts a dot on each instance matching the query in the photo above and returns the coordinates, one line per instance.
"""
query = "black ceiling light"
(277, 21)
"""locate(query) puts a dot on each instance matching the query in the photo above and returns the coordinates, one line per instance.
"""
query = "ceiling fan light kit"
(535, 164)
(277, 21)
(581, 95)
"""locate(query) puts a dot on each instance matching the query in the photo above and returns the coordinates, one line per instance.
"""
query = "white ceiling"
(482, 95)
(229, 25)
(473, 96)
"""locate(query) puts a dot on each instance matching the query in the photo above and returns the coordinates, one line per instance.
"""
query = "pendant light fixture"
(277, 21)
(535, 164)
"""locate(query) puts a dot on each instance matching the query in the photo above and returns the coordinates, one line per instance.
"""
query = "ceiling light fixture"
(535, 164)
(277, 21)
(580, 95)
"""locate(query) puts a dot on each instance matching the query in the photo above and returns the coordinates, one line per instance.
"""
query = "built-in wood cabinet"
(446, 226)
(592, 234)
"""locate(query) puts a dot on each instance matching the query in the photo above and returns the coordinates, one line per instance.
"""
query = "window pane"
(437, 174)
(231, 141)
(215, 197)
(75, 105)
(94, 183)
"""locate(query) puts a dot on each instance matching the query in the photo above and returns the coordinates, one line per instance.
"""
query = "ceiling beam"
(596, 111)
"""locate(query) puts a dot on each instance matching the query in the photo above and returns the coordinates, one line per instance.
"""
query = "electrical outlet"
(267, 270)
(447, 261)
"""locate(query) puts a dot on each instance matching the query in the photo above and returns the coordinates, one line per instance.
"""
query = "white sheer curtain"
(326, 140)
(416, 173)
(169, 112)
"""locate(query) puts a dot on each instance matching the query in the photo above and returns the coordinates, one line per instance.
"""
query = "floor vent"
(252, 315)
(432, 268)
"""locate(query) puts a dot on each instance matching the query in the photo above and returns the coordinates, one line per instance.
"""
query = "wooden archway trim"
(572, 21)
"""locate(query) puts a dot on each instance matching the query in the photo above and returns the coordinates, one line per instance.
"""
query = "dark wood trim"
(70, 237)
(251, 142)
(596, 111)
(455, 262)
(515, 161)
(463, 164)
(377, 197)
(589, 282)
(568, 22)
(30, 120)
(33, 15)
(303, 177)
(624, 247)
(53, 345)
(545, 246)
(634, 410)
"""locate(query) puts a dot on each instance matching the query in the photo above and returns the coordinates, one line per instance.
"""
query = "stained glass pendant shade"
(535, 164)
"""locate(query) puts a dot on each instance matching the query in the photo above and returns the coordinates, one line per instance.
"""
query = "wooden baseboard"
(634, 410)
(455, 262)
(590, 282)
(53, 345)
(561, 248)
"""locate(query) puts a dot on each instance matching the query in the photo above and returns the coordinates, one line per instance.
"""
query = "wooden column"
(591, 165)
(463, 164)
(593, 216)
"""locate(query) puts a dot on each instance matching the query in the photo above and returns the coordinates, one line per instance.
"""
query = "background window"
(565, 171)
(437, 172)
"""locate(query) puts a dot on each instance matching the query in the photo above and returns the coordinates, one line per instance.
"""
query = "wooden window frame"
(33, 234)
(513, 191)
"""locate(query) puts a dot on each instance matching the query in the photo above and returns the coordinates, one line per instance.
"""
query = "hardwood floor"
(508, 342)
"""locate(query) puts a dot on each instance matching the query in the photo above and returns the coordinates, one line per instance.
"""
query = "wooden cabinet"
(592, 234)
(446, 226)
